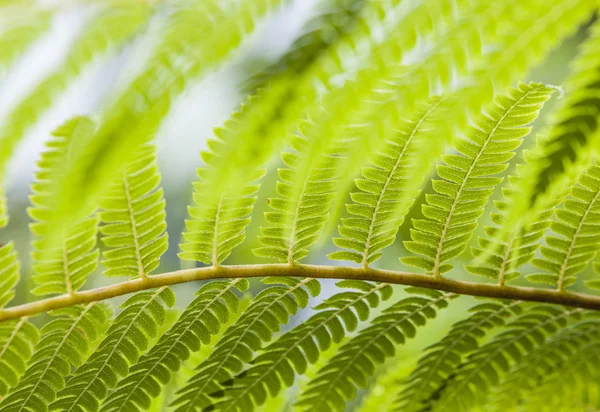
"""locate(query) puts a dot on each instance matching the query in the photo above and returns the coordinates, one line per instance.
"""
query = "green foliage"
(9, 273)
(211, 34)
(441, 359)
(270, 309)
(18, 341)
(363, 104)
(469, 178)
(214, 303)
(573, 129)
(62, 269)
(133, 213)
(108, 29)
(355, 361)
(65, 343)
(576, 222)
(469, 383)
(515, 247)
(377, 208)
(127, 337)
(301, 346)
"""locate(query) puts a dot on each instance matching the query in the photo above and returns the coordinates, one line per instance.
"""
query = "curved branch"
(577, 300)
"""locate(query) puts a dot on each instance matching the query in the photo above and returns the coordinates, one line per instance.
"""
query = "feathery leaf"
(111, 27)
(18, 339)
(199, 37)
(572, 136)
(525, 376)
(133, 213)
(212, 307)
(224, 196)
(271, 308)
(295, 349)
(377, 210)
(515, 247)
(442, 358)
(63, 269)
(568, 254)
(64, 344)
(128, 335)
(470, 382)
(355, 361)
(469, 178)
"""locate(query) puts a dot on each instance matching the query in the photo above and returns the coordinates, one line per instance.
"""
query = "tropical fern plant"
(466, 250)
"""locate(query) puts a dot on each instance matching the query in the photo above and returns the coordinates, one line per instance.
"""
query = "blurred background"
(283, 40)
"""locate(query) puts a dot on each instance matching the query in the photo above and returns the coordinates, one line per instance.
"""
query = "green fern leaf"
(224, 196)
(339, 134)
(61, 269)
(377, 210)
(525, 376)
(442, 358)
(111, 27)
(198, 37)
(568, 148)
(202, 319)
(514, 248)
(551, 24)
(470, 382)
(18, 339)
(64, 344)
(133, 211)
(297, 348)
(9, 273)
(355, 361)
(128, 335)
(568, 254)
(469, 178)
(571, 386)
(270, 309)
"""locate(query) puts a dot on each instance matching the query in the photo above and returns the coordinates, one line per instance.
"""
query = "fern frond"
(224, 196)
(572, 135)
(199, 37)
(62, 269)
(377, 210)
(202, 319)
(567, 255)
(525, 376)
(297, 348)
(9, 273)
(270, 309)
(339, 134)
(515, 247)
(109, 29)
(551, 25)
(18, 340)
(441, 359)
(563, 389)
(3, 208)
(64, 344)
(133, 213)
(470, 176)
(356, 360)
(128, 336)
(470, 382)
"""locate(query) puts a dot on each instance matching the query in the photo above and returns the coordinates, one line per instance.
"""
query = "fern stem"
(578, 300)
